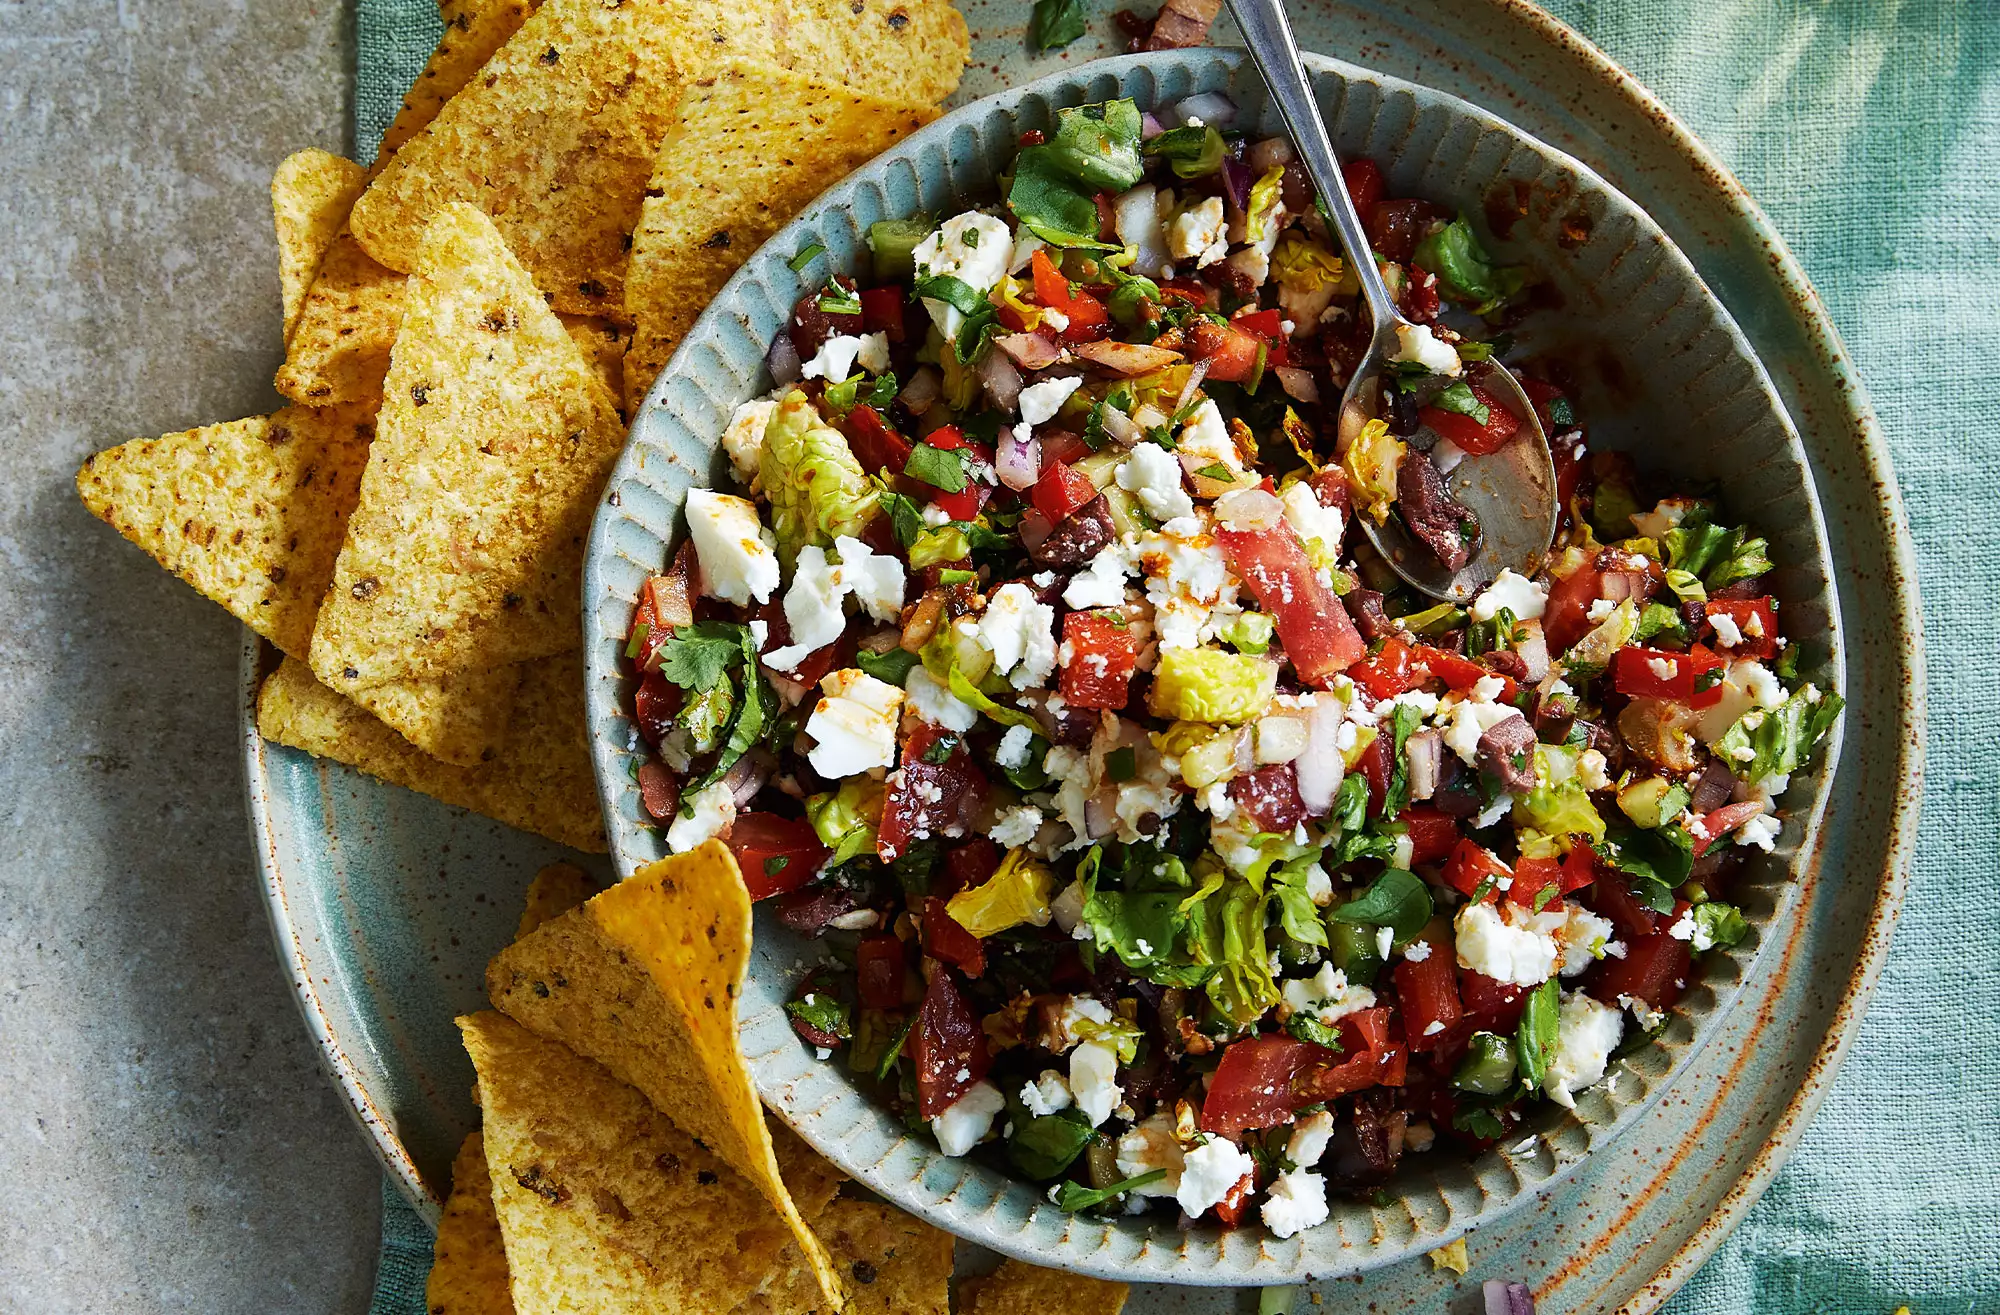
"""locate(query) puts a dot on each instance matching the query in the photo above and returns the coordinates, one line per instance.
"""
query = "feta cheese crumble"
(738, 556)
(968, 1119)
(854, 725)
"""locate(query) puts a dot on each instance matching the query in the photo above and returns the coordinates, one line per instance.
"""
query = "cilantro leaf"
(940, 468)
(1535, 1041)
(1073, 1197)
(1056, 23)
(696, 657)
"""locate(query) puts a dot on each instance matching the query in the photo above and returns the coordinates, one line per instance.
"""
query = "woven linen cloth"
(1869, 130)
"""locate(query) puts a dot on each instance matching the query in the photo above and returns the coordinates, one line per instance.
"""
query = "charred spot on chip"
(541, 989)
(551, 56)
(706, 1178)
(592, 288)
(278, 435)
(511, 601)
(420, 394)
(349, 673)
(365, 588)
(276, 574)
(501, 319)
(667, 1162)
(535, 1179)
(898, 20)
(864, 1272)
(718, 240)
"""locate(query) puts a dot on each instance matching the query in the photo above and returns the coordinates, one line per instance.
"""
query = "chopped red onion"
(1150, 126)
(1000, 379)
(1034, 529)
(1101, 815)
(1507, 1297)
(1018, 463)
(924, 388)
(1425, 752)
(1236, 182)
(1533, 650)
(1271, 153)
(1030, 351)
(1195, 376)
(783, 360)
(747, 776)
(1124, 430)
(1298, 384)
(1211, 107)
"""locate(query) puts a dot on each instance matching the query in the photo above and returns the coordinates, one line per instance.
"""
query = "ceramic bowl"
(1664, 372)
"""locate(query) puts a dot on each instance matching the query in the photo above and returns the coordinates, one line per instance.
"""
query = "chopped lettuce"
(1208, 685)
(817, 490)
(1265, 195)
(1465, 272)
(1373, 460)
(1194, 152)
(1301, 265)
(1559, 805)
(1778, 742)
(1017, 894)
(1592, 653)
(845, 820)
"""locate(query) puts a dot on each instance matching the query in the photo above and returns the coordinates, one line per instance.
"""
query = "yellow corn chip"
(1018, 1289)
(338, 350)
(473, 31)
(603, 343)
(461, 719)
(605, 1204)
(540, 781)
(750, 144)
(644, 979)
(889, 1263)
(556, 890)
(468, 1264)
(808, 1176)
(311, 193)
(250, 513)
(919, 47)
(556, 138)
(492, 444)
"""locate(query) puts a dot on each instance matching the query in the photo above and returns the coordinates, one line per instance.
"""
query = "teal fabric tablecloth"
(1870, 132)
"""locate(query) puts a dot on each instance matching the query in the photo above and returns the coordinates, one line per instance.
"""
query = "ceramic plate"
(386, 905)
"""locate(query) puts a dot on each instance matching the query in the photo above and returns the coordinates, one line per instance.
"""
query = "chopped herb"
(1535, 1040)
(1193, 152)
(1056, 23)
(887, 1064)
(954, 575)
(953, 292)
(1216, 471)
(1722, 925)
(1458, 398)
(937, 467)
(1562, 415)
(940, 750)
(905, 517)
(1121, 764)
(821, 1012)
(696, 657)
(1480, 1122)
(637, 643)
(775, 864)
(1397, 900)
(1483, 889)
(1044, 1146)
(806, 257)
(837, 299)
(1543, 896)
(1073, 1197)
(892, 667)
(1304, 1026)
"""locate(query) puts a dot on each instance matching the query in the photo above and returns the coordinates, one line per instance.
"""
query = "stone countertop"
(170, 1139)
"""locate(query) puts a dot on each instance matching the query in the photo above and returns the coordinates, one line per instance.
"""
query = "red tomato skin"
(882, 311)
(1311, 622)
(1655, 970)
(1466, 432)
(1741, 610)
(1461, 673)
(960, 506)
(1717, 825)
(1433, 833)
(1389, 672)
(947, 1045)
(1471, 863)
(654, 704)
(1428, 990)
(906, 809)
(1061, 445)
(879, 964)
(1061, 490)
(757, 837)
(1633, 675)
(969, 865)
(1579, 868)
(876, 444)
(1531, 877)
(1365, 184)
(1230, 352)
(946, 940)
(1254, 1083)
(1493, 1006)
(1613, 899)
(1094, 634)
(1372, 1058)
(1374, 765)
(1566, 618)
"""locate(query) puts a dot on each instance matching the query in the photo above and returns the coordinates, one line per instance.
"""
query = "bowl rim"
(1056, 88)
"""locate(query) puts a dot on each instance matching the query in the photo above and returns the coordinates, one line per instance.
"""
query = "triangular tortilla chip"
(311, 193)
(339, 349)
(250, 513)
(557, 136)
(605, 1205)
(603, 343)
(644, 979)
(494, 439)
(473, 31)
(890, 1263)
(751, 143)
(918, 47)
(539, 782)
(1018, 1289)
(556, 890)
(468, 1261)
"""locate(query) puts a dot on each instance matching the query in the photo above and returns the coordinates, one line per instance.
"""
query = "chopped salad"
(1163, 850)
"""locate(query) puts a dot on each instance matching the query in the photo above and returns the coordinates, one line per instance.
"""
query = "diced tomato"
(1461, 673)
(1364, 183)
(969, 865)
(882, 312)
(946, 438)
(962, 505)
(1389, 672)
(1579, 869)
(659, 790)
(1235, 1204)
(876, 444)
(1428, 989)
(1103, 654)
(1331, 488)
(1635, 673)
(1190, 291)
(1061, 445)
(1567, 616)
(1612, 898)
(1433, 833)
(947, 1045)
(654, 704)
(1756, 620)
(1271, 796)
(932, 798)
(1088, 320)
(1566, 450)
(1230, 352)
(1396, 226)
(1540, 393)
(879, 965)
(777, 854)
(1471, 863)
(946, 939)
(814, 666)
(1319, 639)
(1254, 1084)
(1374, 1058)
(1531, 877)
(1061, 489)
(1268, 327)
(1654, 970)
(1490, 1005)
(1717, 825)
(1421, 300)
(1469, 433)
(1374, 766)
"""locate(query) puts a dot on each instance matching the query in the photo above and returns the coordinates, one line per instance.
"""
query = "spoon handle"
(1268, 34)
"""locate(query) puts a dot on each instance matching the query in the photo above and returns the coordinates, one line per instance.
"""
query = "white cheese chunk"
(1093, 1073)
(1046, 1094)
(973, 248)
(1295, 1202)
(1327, 995)
(968, 1119)
(1102, 583)
(1417, 344)
(1040, 402)
(1586, 1034)
(714, 809)
(1199, 233)
(1153, 475)
(1020, 633)
(1209, 1171)
(854, 725)
(1517, 593)
(936, 704)
(743, 440)
(1494, 945)
(738, 556)
(1149, 1146)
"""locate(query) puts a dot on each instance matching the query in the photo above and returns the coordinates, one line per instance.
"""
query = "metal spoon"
(1512, 492)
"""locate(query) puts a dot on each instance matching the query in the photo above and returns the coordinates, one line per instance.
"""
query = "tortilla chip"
(461, 719)
(338, 351)
(250, 512)
(603, 343)
(889, 1262)
(557, 136)
(807, 1175)
(556, 890)
(492, 444)
(644, 979)
(468, 1263)
(473, 31)
(311, 193)
(539, 782)
(918, 46)
(1018, 1289)
(606, 1205)
(750, 145)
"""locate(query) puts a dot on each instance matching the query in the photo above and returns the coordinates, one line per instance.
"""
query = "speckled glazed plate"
(386, 905)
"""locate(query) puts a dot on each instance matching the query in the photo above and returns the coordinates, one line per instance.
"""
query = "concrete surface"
(167, 1137)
